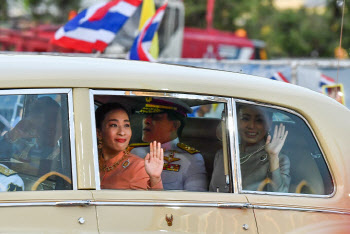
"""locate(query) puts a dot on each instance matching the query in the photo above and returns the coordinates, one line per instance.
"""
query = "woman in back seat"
(262, 165)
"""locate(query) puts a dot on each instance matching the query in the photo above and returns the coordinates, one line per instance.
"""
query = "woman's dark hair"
(104, 109)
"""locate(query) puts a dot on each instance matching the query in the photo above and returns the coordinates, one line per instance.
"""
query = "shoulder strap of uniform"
(135, 145)
(187, 148)
(6, 171)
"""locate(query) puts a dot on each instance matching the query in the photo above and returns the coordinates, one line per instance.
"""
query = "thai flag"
(95, 27)
(326, 80)
(140, 48)
(279, 76)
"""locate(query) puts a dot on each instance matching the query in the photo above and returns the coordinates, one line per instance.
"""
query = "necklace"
(110, 168)
(245, 158)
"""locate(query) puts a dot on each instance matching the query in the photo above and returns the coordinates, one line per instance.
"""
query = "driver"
(35, 137)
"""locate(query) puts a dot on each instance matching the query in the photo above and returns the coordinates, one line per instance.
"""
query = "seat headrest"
(200, 128)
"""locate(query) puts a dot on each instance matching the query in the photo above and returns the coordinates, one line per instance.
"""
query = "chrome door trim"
(299, 209)
(74, 203)
(160, 93)
(174, 205)
(235, 100)
(24, 204)
(171, 204)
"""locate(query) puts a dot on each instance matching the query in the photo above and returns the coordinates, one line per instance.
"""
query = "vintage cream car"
(62, 191)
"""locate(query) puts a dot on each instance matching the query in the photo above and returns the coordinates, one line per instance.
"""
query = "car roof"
(39, 71)
(36, 71)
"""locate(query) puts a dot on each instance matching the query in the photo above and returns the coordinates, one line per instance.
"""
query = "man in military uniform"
(184, 167)
(9, 180)
(35, 137)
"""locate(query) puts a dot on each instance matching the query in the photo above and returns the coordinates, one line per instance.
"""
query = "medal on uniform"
(171, 167)
(171, 158)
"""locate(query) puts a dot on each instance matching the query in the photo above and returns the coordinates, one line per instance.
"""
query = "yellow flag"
(147, 11)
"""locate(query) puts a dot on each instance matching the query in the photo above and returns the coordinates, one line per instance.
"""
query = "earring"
(100, 153)
(99, 143)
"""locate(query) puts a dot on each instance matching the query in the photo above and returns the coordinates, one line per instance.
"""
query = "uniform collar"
(170, 144)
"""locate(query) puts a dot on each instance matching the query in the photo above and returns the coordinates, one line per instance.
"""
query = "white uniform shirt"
(182, 170)
(9, 180)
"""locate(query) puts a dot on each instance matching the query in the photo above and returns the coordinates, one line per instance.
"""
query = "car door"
(312, 199)
(38, 177)
(173, 210)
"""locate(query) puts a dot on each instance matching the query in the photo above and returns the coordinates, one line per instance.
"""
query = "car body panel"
(86, 165)
(194, 212)
(295, 212)
(40, 212)
(297, 221)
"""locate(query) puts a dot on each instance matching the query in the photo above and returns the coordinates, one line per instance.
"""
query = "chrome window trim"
(235, 100)
(34, 91)
(233, 140)
(67, 91)
(94, 139)
(161, 93)
(72, 139)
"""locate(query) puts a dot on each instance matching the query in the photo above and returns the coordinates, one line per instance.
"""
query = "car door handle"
(74, 203)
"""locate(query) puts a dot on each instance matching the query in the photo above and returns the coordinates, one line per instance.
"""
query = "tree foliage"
(287, 33)
(51, 10)
(3, 10)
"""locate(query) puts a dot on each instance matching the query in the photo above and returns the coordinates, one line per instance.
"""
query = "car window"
(189, 150)
(279, 153)
(207, 111)
(34, 142)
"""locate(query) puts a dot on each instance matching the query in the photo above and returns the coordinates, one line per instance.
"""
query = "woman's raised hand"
(154, 162)
(274, 146)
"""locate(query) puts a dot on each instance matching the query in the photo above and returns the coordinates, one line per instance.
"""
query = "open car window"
(279, 153)
(35, 149)
(190, 155)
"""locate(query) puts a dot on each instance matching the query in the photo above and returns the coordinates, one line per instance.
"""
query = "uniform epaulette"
(6, 171)
(135, 145)
(187, 148)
